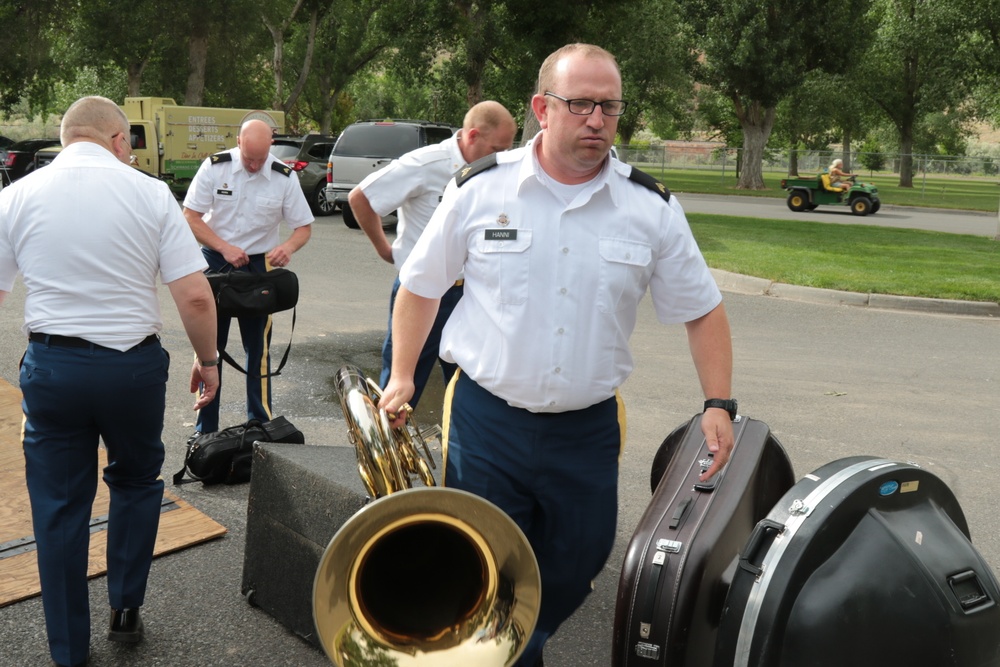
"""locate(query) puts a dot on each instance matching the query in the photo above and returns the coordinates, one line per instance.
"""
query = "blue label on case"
(888, 488)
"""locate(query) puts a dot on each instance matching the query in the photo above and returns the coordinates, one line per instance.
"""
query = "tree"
(919, 63)
(27, 69)
(351, 35)
(755, 52)
(805, 119)
(655, 58)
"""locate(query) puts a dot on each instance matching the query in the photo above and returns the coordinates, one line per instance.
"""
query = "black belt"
(72, 341)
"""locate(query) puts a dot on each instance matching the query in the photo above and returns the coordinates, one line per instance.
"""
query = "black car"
(307, 157)
(21, 158)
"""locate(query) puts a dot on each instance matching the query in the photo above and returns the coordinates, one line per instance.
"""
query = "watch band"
(207, 364)
(727, 404)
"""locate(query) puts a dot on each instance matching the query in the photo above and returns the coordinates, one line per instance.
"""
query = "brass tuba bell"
(419, 577)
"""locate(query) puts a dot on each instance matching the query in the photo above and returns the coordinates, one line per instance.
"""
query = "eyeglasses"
(580, 107)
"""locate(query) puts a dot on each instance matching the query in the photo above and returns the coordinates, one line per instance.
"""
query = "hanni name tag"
(501, 234)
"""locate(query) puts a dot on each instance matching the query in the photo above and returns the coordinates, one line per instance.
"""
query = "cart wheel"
(861, 205)
(797, 201)
(876, 205)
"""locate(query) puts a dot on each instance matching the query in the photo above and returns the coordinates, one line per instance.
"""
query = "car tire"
(349, 219)
(320, 204)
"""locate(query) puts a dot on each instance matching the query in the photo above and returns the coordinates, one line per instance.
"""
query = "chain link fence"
(717, 157)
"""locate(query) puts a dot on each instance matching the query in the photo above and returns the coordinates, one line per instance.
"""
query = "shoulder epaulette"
(221, 157)
(647, 181)
(281, 168)
(477, 167)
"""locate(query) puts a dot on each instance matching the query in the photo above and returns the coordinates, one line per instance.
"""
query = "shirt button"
(565, 251)
(558, 370)
(562, 290)
(561, 331)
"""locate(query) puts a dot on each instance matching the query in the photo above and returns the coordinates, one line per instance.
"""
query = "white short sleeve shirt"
(90, 236)
(413, 185)
(552, 288)
(247, 209)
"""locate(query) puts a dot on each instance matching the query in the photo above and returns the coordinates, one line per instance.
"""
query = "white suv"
(367, 146)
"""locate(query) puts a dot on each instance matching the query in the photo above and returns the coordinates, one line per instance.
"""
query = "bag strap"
(284, 358)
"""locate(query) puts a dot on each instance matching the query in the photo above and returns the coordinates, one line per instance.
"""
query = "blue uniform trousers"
(554, 474)
(72, 397)
(429, 354)
(255, 333)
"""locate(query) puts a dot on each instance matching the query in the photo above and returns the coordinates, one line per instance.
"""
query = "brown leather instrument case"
(686, 547)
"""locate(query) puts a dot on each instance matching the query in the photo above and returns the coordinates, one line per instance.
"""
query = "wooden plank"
(181, 525)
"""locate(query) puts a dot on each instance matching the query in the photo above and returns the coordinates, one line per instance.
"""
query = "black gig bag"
(865, 562)
(226, 456)
(684, 550)
(251, 294)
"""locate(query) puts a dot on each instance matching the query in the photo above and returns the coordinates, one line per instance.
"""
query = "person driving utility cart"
(838, 177)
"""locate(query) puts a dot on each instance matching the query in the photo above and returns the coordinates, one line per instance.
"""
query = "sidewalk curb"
(740, 284)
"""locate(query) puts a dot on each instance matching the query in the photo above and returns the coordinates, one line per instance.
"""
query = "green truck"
(170, 141)
(805, 194)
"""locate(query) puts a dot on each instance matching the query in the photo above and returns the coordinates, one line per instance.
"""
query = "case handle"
(760, 540)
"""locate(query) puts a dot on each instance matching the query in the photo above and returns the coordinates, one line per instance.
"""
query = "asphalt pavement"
(831, 377)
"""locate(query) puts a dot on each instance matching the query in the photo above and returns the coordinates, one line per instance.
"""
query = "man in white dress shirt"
(558, 243)
(235, 206)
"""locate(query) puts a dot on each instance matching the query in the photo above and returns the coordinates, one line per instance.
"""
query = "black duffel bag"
(249, 294)
(226, 456)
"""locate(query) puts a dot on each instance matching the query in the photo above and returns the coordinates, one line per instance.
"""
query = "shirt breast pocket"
(624, 273)
(506, 267)
(268, 205)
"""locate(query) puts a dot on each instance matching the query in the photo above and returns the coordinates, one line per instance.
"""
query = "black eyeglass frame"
(592, 103)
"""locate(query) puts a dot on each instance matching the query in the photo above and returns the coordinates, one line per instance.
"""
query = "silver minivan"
(368, 145)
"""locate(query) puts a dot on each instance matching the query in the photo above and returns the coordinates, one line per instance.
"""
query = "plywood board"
(181, 525)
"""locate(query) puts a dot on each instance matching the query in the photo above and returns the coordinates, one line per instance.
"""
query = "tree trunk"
(329, 99)
(194, 94)
(278, 68)
(756, 121)
(478, 46)
(906, 157)
(135, 71)
(793, 161)
(277, 31)
(306, 66)
(846, 157)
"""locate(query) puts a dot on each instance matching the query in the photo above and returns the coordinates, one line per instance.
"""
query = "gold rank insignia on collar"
(647, 181)
(477, 167)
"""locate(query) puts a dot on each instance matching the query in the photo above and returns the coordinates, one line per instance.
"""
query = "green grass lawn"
(967, 193)
(856, 258)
